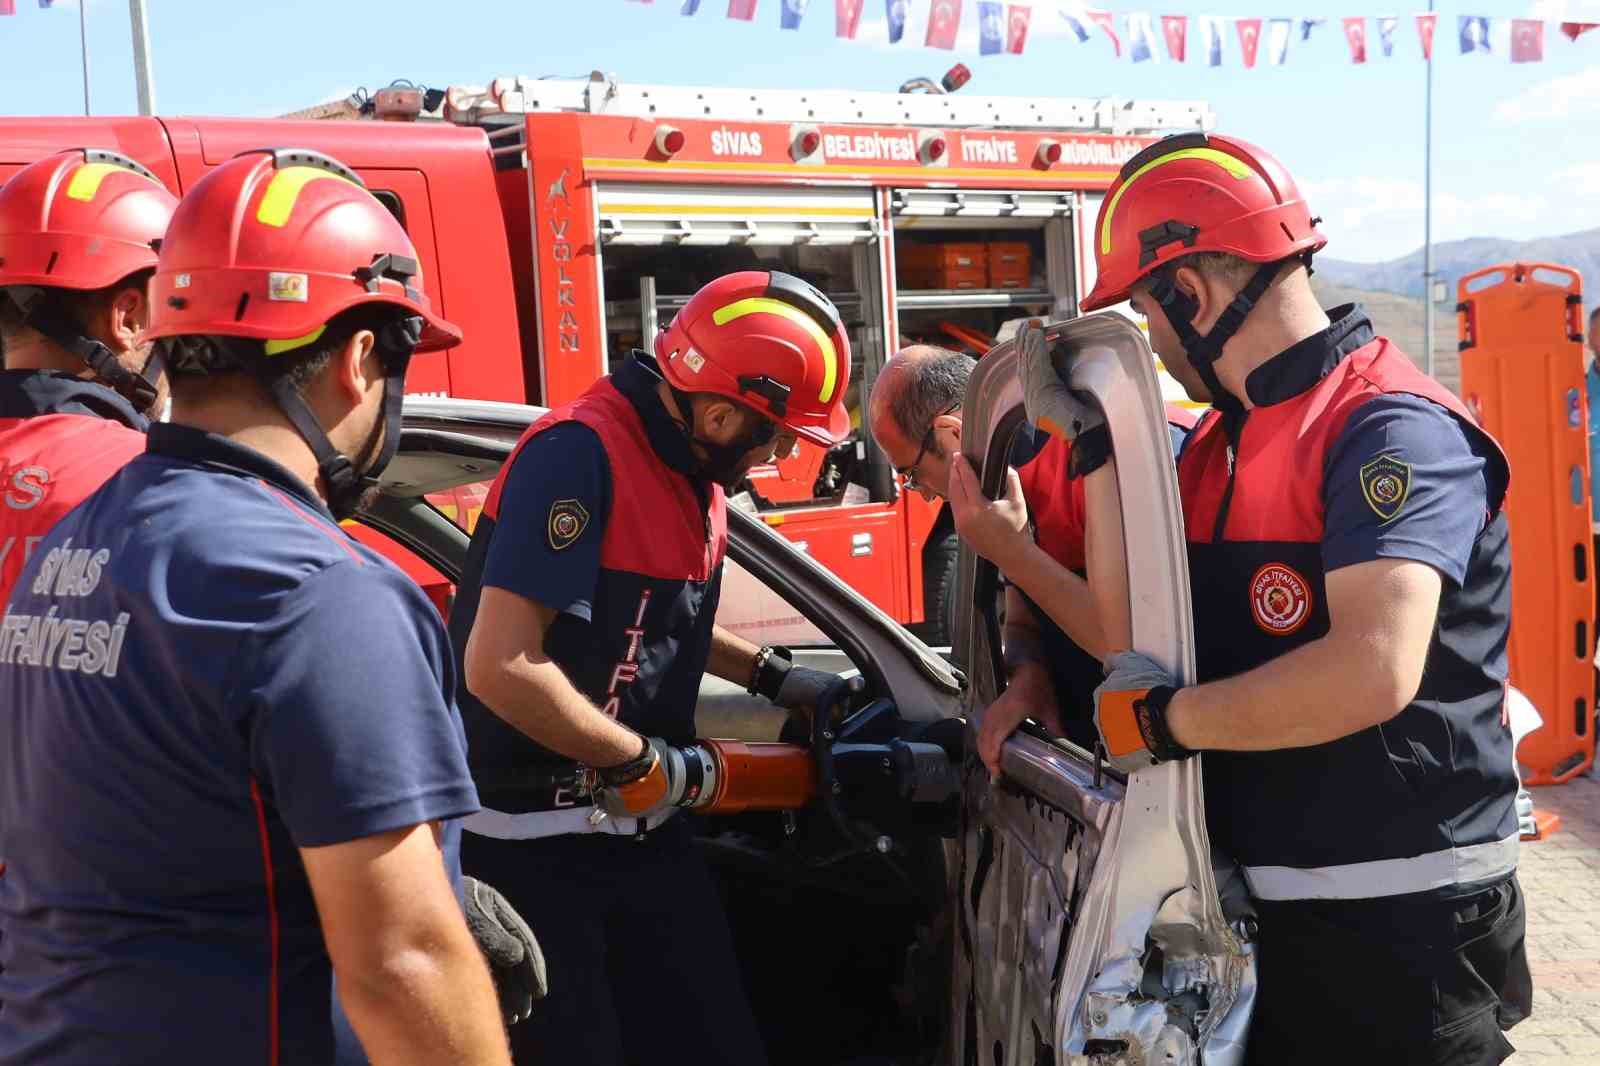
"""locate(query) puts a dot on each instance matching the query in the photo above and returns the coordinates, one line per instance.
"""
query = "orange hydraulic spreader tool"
(1522, 374)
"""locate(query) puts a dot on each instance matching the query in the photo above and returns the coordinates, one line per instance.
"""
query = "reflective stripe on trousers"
(535, 825)
(1387, 877)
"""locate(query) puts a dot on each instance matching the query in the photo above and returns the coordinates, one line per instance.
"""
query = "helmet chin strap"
(138, 387)
(346, 488)
(1204, 351)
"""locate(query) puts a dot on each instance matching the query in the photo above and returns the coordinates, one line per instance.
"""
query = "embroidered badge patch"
(1280, 599)
(1386, 482)
(568, 520)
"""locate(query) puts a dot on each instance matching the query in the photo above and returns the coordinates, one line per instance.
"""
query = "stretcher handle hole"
(1485, 281)
(1580, 717)
(1580, 563)
(1583, 641)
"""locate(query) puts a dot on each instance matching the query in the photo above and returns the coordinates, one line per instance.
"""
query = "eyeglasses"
(910, 472)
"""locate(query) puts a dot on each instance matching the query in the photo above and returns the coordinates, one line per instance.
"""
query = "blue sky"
(1512, 155)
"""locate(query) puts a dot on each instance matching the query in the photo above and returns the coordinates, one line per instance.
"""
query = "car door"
(1089, 916)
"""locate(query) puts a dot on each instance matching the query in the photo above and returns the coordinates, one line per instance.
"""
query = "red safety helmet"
(81, 219)
(273, 244)
(1196, 192)
(771, 342)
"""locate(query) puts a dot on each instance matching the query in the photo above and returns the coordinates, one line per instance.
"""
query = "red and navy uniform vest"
(61, 437)
(1056, 510)
(642, 652)
(1438, 777)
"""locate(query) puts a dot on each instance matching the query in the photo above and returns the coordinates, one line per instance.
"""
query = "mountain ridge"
(1453, 259)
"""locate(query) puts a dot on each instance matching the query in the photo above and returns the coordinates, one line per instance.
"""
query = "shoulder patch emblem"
(1386, 482)
(1280, 599)
(568, 520)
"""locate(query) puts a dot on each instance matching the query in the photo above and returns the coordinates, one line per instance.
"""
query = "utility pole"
(83, 45)
(141, 56)
(1427, 220)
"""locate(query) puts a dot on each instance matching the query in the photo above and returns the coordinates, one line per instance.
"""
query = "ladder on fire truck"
(603, 94)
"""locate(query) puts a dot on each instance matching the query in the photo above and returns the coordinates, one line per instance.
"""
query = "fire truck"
(561, 222)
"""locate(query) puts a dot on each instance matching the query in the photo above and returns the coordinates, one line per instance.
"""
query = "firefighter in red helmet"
(78, 237)
(1350, 566)
(584, 624)
(240, 774)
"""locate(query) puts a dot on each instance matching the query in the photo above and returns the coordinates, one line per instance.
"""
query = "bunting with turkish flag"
(847, 17)
(1017, 18)
(944, 21)
(1176, 30)
(1355, 32)
(9, 7)
(1426, 24)
(1527, 40)
(1574, 30)
(1249, 39)
(1107, 22)
(742, 9)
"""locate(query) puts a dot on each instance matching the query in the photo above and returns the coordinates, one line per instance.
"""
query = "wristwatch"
(772, 665)
(1150, 713)
(627, 773)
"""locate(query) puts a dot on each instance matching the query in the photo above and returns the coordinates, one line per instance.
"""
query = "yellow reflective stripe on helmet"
(757, 304)
(86, 180)
(1236, 168)
(289, 344)
(284, 189)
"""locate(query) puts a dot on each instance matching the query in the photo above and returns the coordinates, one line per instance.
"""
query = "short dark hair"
(1594, 314)
(79, 304)
(301, 365)
(933, 384)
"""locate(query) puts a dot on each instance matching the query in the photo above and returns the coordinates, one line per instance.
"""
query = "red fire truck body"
(561, 223)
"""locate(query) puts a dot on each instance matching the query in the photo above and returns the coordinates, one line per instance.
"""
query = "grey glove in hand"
(1116, 710)
(1050, 404)
(515, 961)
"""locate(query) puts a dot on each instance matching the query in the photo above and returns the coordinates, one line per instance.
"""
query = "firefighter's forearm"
(732, 657)
(539, 700)
(1106, 559)
(1060, 594)
(1364, 671)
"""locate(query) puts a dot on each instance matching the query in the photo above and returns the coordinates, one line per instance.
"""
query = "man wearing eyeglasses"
(1051, 637)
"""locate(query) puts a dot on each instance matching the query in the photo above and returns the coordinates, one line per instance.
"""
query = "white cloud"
(1370, 219)
(1580, 180)
(1568, 10)
(1567, 96)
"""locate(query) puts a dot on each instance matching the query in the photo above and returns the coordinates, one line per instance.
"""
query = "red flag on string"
(1527, 40)
(1355, 32)
(742, 9)
(1176, 30)
(943, 22)
(1106, 21)
(847, 16)
(1017, 18)
(1425, 28)
(1249, 39)
(1574, 30)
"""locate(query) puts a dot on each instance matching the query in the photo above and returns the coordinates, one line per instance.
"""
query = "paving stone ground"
(1561, 878)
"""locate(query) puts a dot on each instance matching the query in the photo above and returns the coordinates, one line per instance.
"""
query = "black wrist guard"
(628, 772)
(1090, 450)
(1151, 714)
(771, 667)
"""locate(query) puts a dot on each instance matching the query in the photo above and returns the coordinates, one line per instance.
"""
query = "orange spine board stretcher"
(1521, 338)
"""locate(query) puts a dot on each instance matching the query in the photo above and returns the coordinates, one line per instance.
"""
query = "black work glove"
(515, 961)
(794, 688)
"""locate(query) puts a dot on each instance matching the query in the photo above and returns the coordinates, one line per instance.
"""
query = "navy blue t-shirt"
(1402, 482)
(200, 673)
